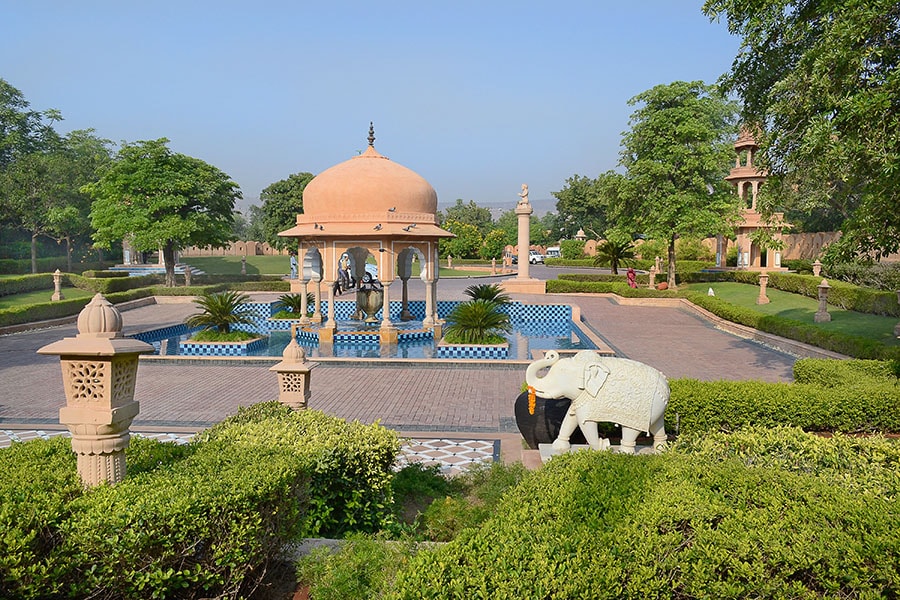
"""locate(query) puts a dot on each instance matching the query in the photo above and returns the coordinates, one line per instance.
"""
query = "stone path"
(460, 401)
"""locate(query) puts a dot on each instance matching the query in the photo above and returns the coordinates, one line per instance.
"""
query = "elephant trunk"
(531, 373)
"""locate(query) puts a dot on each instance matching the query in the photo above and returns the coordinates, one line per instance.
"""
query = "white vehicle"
(553, 252)
(535, 257)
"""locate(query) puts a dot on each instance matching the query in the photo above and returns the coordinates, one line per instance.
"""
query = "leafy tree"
(677, 154)
(508, 223)
(493, 245)
(162, 199)
(572, 249)
(22, 131)
(464, 245)
(614, 253)
(583, 202)
(821, 77)
(282, 201)
(471, 214)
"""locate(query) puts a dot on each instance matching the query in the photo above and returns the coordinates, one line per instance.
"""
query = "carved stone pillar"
(405, 315)
(99, 368)
(304, 303)
(294, 376)
(429, 320)
(822, 315)
(387, 334)
(57, 287)
(817, 268)
(523, 212)
(763, 282)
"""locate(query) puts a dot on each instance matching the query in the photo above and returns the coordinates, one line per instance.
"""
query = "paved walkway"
(454, 400)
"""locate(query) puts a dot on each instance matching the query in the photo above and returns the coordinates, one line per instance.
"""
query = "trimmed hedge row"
(200, 523)
(22, 266)
(109, 285)
(675, 525)
(26, 283)
(564, 286)
(851, 345)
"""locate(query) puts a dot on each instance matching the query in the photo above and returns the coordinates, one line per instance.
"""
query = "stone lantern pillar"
(763, 282)
(817, 268)
(822, 315)
(294, 376)
(651, 282)
(57, 287)
(99, 368)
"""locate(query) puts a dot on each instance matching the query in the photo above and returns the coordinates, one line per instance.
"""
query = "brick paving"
(429, 397)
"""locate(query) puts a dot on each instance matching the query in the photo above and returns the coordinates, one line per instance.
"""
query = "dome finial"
(371, 134)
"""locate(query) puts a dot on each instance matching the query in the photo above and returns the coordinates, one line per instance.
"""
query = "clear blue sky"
(476, 96)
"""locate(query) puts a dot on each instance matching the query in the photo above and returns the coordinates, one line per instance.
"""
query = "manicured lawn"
(280, 265)
(40, 296)
(801, 308)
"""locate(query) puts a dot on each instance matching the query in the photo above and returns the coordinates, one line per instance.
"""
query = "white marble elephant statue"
(616, 390)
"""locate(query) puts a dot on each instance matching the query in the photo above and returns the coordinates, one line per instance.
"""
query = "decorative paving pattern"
(453, 456)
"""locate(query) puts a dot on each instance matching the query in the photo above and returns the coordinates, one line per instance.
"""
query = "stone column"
(304, 302)
(317, 309)
(822, 315)
(720, 251)
(493, 266)
(523, 212)
(763, 282)
(405, 315)
(429, 319)
(651, 282)
(99, 368)
(294, 376)
(57, 287)
(243, 265)
(387, 333)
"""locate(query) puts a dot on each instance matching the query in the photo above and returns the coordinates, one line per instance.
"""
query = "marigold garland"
(531, 400)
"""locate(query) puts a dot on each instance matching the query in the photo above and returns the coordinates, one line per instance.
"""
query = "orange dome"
(368, 184)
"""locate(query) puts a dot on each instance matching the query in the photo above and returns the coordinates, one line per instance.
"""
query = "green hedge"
(108, 285)
(26, 283)
(15, 266)
(565, 286)
(105, 274)
(44, 311)
(851, 345)
(676, 525)
(854, 399)
(201, 523)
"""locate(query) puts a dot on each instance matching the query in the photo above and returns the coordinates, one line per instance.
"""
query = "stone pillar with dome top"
(523, 283)
(99, 368)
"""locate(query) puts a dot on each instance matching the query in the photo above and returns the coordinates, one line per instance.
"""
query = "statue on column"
(523, 195)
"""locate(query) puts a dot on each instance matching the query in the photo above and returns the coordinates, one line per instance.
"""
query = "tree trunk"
(169, 261)
(68, 254)
(34, 253)
(671, 278)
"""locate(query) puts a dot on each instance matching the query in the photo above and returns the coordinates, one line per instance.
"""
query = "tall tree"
(282, 201)
(821, 78)
(22, 130)
(466, 243)
(162, 199)
(677, 153)
(471, 214)
(583, 203)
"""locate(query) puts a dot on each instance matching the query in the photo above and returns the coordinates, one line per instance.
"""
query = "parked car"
(535, 257)
(553, 252)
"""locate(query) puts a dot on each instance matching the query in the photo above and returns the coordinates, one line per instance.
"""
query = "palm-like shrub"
(293, 304)
(221, 311)
(477, 322)
(614, 254)
(487, 291)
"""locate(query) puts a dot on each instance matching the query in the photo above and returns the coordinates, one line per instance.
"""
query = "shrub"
(491, 292)
(477, 322)
(25, 283)
(104, 274)
(834, 373)
(572, 249)
(201, 521)
(601, 525)
(109, 285)
(221, 311)
(729, 405)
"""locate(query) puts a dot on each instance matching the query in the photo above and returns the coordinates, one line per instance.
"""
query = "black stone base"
(543, 426)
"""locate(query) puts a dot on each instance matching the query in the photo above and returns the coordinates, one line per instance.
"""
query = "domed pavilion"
(368, 209)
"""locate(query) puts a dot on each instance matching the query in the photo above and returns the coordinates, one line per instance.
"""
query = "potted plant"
(220, 311)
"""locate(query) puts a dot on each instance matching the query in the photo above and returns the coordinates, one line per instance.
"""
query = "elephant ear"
(594, 377)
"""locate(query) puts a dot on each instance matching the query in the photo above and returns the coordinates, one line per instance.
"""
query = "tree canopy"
(162, 199)
(282, 201)
(470, 213)
(676, 155)
(583, 203)
(821, 80)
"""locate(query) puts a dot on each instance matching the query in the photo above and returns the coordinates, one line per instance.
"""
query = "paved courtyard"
(435, 399)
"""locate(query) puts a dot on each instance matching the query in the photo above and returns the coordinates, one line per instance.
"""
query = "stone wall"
(236, 249)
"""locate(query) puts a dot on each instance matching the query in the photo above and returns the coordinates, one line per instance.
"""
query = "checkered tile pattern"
(229, 349)
(450, 351)
(453, 456)
(156, 335)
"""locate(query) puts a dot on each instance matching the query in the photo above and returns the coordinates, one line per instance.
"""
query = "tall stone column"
(429, 319)
(524, 212)
(304, 302)
(317, 309)
(387, 333)
(99, 368)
